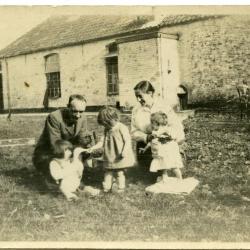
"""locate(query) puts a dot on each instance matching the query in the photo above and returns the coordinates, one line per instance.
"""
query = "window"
(112, 75)
(52, 72)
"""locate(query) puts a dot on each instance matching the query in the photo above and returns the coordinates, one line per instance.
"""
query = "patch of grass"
(216, 155)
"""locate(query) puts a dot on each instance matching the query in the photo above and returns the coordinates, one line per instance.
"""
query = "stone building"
(103, 57)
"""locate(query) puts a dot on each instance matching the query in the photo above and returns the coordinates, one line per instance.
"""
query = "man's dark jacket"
(57, 126)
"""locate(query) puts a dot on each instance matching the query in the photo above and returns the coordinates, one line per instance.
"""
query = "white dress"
(69, 172)
(167, 155)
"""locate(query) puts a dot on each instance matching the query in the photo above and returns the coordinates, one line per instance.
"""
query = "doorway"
(170, 71)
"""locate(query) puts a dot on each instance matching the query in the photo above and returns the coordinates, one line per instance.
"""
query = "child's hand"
(119, 157)
(58, 181)
(142, 150)
(89, 150)
(81, 153)
(150, 137)
(97, 152)
(78, 150)
(164, 138)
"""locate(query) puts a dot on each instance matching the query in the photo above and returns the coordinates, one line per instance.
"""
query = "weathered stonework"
(214, 56)
(138, 60)
(209, 58)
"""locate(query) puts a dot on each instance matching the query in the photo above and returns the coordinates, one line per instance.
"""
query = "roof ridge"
(58, 31)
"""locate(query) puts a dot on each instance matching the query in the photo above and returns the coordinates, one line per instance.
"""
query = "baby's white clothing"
(68, 173)
(166, 155)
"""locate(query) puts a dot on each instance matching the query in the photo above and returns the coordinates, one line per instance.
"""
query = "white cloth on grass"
(174, 186)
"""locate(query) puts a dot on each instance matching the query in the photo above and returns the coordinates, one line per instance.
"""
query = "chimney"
(158, 15)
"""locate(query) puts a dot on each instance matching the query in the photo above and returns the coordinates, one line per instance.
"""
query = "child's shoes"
(159, 179)
(120, 190)
(92, 191)
(165, 178)
(72, 197)
(106, 190)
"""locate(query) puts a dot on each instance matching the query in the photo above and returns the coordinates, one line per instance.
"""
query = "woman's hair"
(160, 118)
(106, 115)
(60, 147)
(144, 87)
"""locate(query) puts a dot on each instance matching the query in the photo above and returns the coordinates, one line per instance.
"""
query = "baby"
(164, 147)
(66, 168)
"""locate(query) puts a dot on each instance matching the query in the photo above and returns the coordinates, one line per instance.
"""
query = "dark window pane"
(53, 84)
(112, 75)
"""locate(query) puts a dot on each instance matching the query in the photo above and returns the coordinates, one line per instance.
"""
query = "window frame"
(53, 77)
(112, 76)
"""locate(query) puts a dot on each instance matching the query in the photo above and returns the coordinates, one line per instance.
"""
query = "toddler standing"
(117, 148)
(66, 168)
(164, 147)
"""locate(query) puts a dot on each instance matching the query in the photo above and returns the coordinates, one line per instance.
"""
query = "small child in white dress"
(66, 168)
(117, 148)
(164, 147)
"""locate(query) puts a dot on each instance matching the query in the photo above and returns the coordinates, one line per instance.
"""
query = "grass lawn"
(217, 155)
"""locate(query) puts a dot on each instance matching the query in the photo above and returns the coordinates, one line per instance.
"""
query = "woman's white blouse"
(140, 121)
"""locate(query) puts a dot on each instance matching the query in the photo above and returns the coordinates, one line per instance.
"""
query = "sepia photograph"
(125, 126)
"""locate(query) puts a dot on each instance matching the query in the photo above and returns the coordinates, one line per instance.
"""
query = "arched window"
(52, 72)
(182, 93)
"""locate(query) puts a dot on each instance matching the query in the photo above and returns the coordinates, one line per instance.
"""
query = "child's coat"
(118, 152)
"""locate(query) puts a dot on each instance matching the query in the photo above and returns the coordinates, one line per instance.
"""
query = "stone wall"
(214, 55)
(82, 71)
(138, 60)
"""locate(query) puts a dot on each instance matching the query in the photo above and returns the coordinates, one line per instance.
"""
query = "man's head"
(76, 106)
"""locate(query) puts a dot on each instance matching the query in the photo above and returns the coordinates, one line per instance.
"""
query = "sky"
(16, 20)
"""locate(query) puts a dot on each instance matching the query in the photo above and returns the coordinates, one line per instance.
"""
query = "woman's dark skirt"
(144, 161)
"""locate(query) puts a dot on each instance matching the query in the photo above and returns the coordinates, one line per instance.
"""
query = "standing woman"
(140, 121)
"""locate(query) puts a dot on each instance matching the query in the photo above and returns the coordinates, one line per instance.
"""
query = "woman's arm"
(136, 133)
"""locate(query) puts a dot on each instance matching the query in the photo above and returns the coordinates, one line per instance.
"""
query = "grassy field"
(217, 155)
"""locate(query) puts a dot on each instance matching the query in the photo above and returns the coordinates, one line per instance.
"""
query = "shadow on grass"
(33, 181)
(134, 175)
(232, 200)
(141, 175)
(93, 177)
(29, 179)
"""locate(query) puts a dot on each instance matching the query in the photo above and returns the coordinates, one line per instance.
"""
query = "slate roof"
(173, 20)
(62, 31)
